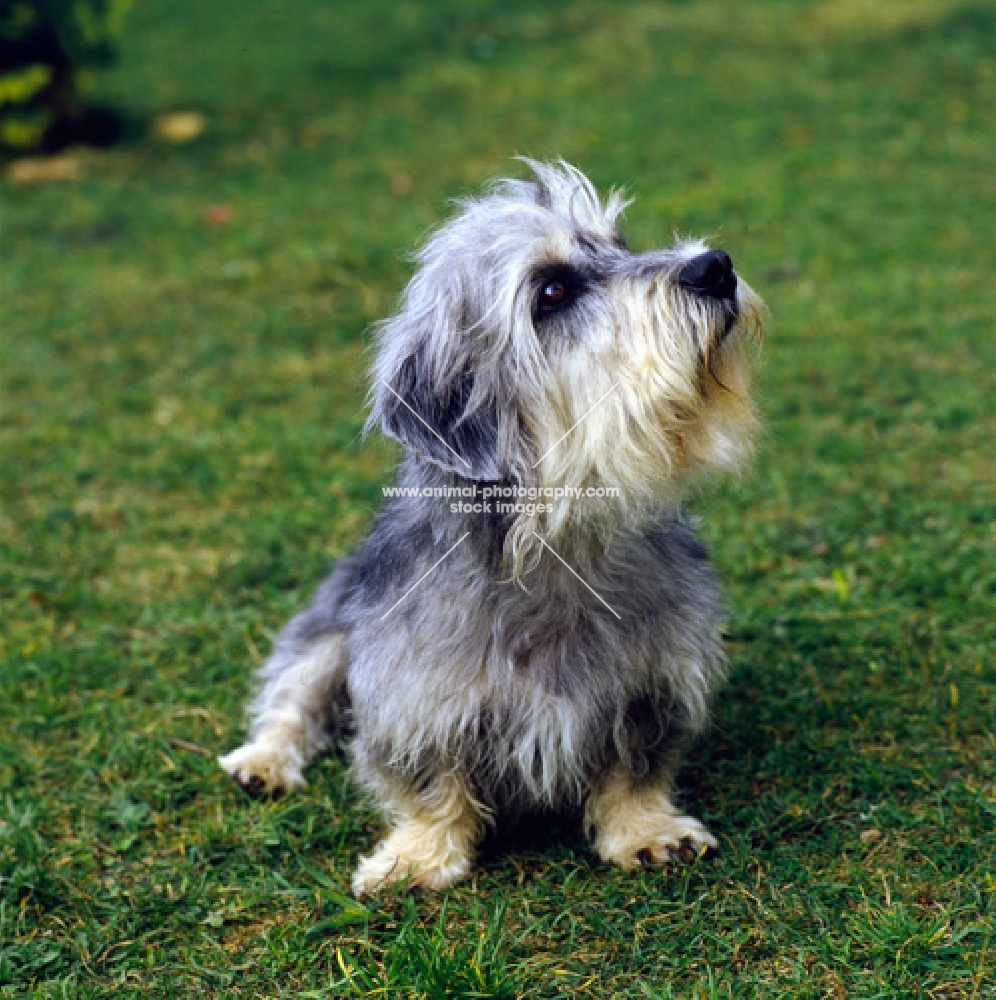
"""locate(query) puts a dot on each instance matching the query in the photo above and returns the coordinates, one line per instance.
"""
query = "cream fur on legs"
(637, 824)
(288, 722)
(432, 843)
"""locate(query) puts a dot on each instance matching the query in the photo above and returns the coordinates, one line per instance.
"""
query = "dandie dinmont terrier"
(488, 657)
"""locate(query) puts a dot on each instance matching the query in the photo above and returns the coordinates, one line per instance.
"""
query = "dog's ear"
(441, 418)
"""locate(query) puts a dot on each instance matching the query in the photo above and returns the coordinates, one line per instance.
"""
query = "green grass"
(181, 461)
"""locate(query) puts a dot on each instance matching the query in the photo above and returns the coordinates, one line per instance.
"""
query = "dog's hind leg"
(635, 823)
(304, 685)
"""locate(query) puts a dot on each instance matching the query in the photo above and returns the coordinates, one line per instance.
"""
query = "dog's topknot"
(563, 190)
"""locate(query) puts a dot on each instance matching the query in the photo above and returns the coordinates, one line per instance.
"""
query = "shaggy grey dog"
(490, 654)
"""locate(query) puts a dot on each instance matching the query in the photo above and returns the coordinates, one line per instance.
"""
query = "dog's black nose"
(710, 274)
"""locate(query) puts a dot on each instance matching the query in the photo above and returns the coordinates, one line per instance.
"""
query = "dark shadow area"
(99, 125)
(533, 833)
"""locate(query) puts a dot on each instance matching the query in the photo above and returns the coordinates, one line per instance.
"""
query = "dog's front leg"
(289, 717)
(634, 823)
(432, 842)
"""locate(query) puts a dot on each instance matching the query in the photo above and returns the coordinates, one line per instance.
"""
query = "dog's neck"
(514, 523)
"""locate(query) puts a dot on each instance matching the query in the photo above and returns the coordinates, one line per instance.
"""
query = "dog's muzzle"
(711, 275)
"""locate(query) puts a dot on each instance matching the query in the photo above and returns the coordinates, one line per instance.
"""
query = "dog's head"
(532, 345)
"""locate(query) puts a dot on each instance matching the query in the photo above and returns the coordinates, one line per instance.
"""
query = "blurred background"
(205, 205)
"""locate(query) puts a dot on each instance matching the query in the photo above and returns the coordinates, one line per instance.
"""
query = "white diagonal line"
(571, 428)
(592, 589)
(424, 575)
(427, 427)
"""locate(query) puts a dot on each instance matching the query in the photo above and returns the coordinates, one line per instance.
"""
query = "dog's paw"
(411, 857)
(671, 839)
(265, 768)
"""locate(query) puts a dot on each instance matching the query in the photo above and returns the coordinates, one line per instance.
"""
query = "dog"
(489, 656)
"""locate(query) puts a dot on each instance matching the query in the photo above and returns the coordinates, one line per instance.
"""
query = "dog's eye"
(554, 294)
(557, 288)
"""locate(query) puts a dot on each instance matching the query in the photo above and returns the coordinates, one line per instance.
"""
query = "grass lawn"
(181, 462)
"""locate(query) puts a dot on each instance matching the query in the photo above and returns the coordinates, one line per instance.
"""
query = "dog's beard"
(664, 398)
(669, 398)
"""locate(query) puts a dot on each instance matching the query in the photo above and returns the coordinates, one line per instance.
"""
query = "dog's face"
(533, 346)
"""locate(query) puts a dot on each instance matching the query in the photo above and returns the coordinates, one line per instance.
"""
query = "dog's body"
(488, 660)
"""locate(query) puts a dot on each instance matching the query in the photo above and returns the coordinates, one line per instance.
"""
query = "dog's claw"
(261, 774)
(255, 787)
(685, 850)
(683, 854)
